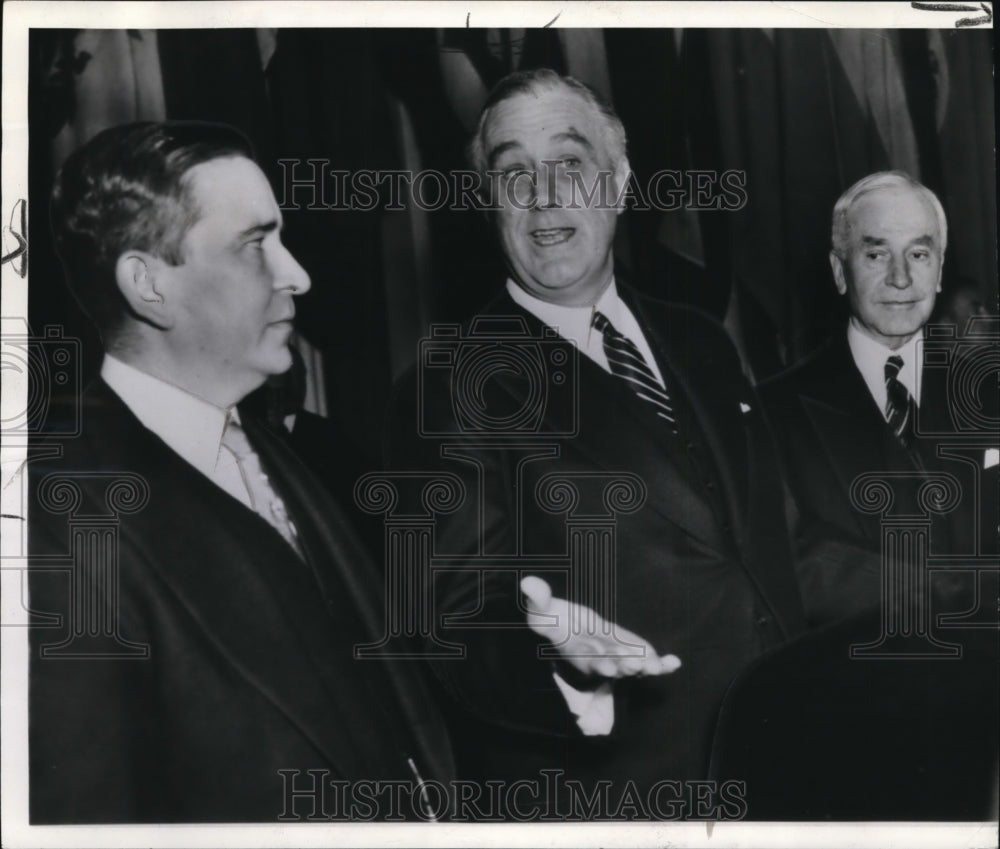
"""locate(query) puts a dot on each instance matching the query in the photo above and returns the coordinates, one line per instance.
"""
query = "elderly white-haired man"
(864, 401)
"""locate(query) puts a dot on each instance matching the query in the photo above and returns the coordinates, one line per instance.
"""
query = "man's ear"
(619, 181)
(139, 277)
(837, 264)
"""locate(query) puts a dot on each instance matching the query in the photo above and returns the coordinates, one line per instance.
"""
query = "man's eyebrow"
(573, 134)
(875, 241)
(499, 150)
(261, 229)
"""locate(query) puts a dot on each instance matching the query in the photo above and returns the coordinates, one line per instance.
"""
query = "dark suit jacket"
(250, 666)
(818, 735)
(702, 569)
(336, 460)
(830, 431)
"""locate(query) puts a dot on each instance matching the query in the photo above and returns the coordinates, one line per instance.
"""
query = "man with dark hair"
(204, 594)
(105, 204)
(610, 664)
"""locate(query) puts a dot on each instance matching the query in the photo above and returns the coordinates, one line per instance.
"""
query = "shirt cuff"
(594, 709)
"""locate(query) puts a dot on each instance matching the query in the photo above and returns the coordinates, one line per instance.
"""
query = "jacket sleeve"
(89, 716)
(838, 573)
(500, 676)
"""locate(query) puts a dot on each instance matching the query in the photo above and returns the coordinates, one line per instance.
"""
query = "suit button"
(762, 621)
(709, 485)
(689, 445)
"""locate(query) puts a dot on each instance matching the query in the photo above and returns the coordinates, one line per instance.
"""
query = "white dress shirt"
(191, 426)
(870, 356)
(594, 709)
(574, 323)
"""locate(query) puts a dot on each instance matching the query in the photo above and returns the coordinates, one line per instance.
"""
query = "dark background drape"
(802, 112)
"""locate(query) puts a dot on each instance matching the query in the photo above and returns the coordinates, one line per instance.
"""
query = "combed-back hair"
(840, 231)
(541, 81)
(125, 189)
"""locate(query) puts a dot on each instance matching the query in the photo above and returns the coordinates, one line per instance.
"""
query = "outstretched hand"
(586, 641)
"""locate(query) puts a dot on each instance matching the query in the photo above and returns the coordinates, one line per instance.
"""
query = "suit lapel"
(709, 393)
(346, 578)
(618, 433)
(840, 406)
(622, 432)
(849, 424)
(934, 422)
(239, 581)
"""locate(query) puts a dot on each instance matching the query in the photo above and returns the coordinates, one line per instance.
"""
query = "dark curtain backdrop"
(803, 112)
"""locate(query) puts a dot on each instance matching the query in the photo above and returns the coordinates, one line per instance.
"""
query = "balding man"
(701, 570)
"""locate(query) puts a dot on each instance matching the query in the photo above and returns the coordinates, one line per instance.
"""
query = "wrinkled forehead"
(535, 117)
(899, 210)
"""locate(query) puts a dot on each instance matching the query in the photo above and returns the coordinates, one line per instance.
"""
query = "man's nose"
(289, 274)
(899, 274)
(548, 192)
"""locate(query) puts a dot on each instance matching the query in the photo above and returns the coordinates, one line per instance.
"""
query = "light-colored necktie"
(263, 499)
(627, 362)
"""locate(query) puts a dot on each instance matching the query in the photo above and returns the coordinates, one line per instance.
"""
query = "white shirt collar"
(191, 426)
(870, 356)
(574, 323)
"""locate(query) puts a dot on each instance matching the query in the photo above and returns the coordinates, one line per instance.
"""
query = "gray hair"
(841, 227)
(541, 81)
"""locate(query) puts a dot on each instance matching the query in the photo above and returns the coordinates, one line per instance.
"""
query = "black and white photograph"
(500, 424)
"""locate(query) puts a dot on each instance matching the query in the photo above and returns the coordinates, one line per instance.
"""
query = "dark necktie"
(626, 361)
(899, 405)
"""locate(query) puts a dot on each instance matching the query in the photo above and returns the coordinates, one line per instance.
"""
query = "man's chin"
(282, 361)
(575, 293)
(894, 335)
(276, 363)
(907, 328)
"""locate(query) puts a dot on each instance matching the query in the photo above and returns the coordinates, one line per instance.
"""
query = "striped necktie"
(899, 404)
(626, 361)
(265, 502)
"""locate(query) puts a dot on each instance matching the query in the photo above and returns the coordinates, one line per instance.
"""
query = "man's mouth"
(546, 238)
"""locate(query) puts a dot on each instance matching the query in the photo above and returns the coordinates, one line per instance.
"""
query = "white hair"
(841, 228)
